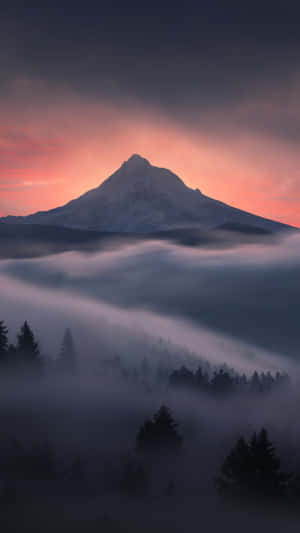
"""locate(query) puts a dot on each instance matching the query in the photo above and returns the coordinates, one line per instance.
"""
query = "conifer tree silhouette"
(222, 382)
(255, 384)
(3, 341)
(27, 348)
(269, 480)
(236, 471)
(182, 378)
(253, 470)
(159, 434)
(67, 356)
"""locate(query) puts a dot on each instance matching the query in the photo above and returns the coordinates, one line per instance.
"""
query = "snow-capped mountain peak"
(136, 162)
(142, 198)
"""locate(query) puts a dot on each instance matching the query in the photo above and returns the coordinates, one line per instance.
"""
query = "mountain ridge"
(142, 198)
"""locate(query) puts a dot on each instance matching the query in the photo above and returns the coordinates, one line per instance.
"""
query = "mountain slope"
(142, 198)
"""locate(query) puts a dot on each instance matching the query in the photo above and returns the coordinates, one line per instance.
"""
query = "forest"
(140, 434)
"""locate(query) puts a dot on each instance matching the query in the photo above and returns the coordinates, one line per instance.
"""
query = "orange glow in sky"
(52, 156)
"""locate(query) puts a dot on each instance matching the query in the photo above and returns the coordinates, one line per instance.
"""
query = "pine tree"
(67, 356)
(236, 471)
(255, 384)
(182, 378)
(253, 470)
(222, 382)
(269, 480)
(159, 434)
(3, 341)
(27, 348)
(201, 379)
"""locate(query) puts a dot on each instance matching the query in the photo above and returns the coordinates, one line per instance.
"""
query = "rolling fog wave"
(238, 306)
(118, 330)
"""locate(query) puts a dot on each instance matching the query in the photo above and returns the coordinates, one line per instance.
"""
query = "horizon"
(134, 156)
(210, 94)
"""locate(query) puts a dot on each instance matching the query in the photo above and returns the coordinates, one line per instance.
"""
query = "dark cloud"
(219, 84)
(183, 60)
(16, 148)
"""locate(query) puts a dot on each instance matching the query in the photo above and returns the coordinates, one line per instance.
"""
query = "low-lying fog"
(173, 305)
(238, 305)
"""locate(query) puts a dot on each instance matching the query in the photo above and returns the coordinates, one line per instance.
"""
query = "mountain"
(142, 198)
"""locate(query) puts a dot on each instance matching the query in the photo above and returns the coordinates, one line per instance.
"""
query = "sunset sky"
(210, 92)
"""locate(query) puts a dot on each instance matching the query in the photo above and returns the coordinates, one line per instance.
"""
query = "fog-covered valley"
(246, 295)
(211, 333)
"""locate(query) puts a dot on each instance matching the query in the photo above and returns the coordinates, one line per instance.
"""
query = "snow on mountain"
(142, 198)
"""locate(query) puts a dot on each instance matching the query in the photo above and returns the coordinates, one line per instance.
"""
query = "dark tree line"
(223, 381)
(250, 472)
(3, 340)
(25, 354)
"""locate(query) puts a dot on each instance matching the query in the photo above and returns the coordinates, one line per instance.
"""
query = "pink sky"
(55, 147)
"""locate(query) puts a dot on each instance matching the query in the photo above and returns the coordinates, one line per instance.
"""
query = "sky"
(208, 91)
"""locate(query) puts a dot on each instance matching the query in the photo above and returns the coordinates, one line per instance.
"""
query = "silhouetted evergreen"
(67, 357)
(225, 381)
(222, 383)
(159, 434)
(182, 378)
(3, 342)
(201, 380)
(253, 470)
(27, 349)
(255, 383)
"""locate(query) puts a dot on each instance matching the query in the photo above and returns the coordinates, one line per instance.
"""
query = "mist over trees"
(67, 356)
(25, 356)
(224, 381)
(252, 470)
(3, 341)
(27, 348)
(159, 434)
(141, 430)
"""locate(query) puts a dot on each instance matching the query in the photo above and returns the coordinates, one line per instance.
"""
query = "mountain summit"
(142, 198)
(136, 161)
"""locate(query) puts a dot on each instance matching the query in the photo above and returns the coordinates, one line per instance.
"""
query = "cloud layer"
(238, 305)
